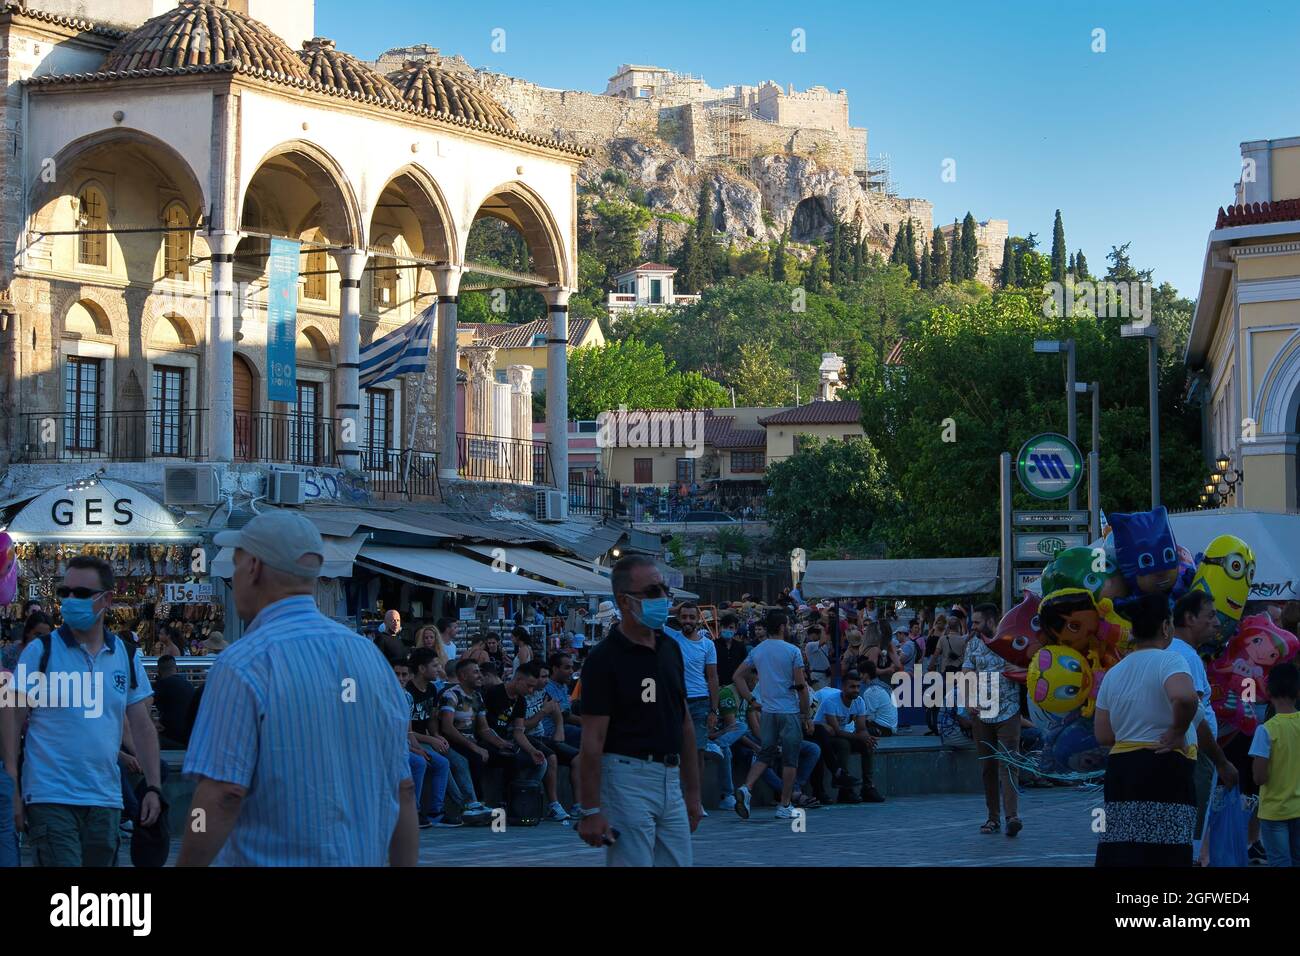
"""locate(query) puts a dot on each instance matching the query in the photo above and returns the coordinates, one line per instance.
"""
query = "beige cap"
(279, 539)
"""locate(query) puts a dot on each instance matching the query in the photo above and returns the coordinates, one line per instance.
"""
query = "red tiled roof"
(1253, 213)
(817, 413)
(487, 329)
(895, 356)
(521, 336)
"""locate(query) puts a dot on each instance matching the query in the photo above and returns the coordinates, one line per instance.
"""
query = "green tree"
(970, 250)
(859, 247)
(957, 260)
(837, 241)
(618, 234)
(696, 391)
(622, 372)
(1058, 249)
(1081, 267)
(778, 260)
(939, 268)
(659, 241)
(828, 490)
(926, 277)
(1007, 279)
(759, 378)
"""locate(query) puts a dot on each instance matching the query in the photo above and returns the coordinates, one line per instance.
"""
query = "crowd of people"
(672, 699)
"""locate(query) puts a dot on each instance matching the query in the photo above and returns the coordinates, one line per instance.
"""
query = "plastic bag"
(1225, 828)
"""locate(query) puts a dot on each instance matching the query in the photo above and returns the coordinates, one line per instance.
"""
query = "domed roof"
(426, 87)
(203, 33)
(344, 72)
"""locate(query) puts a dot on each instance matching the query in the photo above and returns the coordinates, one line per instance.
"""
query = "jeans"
(460, 785)
(699, 709)
(1281, 839)
(809, 754)
(643, 801)
(836, 752)
(8, 837)
(724, 741)
(438, 771)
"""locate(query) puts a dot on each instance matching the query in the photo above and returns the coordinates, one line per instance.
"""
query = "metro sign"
(1049, 466)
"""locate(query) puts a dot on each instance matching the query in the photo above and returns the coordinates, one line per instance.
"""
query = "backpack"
(47, 646)
(524, 804)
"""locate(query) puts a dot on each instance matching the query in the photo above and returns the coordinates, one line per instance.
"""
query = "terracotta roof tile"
(817, 413)
(521, 336)
(1250, 214)
(343, 71)
(427, 87)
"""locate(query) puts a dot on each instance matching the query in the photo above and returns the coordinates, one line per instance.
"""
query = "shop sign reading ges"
(95, 510)
(89, 512)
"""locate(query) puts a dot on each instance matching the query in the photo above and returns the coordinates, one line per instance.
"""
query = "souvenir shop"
(158, 562)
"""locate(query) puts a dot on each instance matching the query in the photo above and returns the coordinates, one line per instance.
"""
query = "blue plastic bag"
(1225, 828)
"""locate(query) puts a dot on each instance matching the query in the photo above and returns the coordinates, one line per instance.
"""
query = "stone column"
(520, 379)
(480, 398)
(220, 352)
(351, 437)
(447, 280)
(557, 387)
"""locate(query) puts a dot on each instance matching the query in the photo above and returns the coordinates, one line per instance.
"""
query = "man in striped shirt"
(299, 749)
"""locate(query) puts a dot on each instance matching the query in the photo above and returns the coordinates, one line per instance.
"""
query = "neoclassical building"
(146, 172)
(1244, 344)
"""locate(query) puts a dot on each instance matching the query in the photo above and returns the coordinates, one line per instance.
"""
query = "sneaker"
(447, 823)
(475, 806)
(703, 813)
(742, 802)
(713, 748)
(127, 826)
(557, 813)
(787, 813)
(425, 822)
(844, 780)
(872, 795)
(1256, 855)
(727, 803)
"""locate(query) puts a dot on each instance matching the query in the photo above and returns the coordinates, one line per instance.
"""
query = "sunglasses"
(66, 592)
(653, 591)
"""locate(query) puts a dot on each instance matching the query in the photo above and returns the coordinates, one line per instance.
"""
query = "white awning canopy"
(340, 555)
(553, 568)
(1275, 539)
(456, 571)
(912, 577)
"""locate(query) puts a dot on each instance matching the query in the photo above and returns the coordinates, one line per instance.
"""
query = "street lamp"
(1149, 332)
(1055, 346)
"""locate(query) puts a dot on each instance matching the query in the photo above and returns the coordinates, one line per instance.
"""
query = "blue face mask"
(654, 612)
(728, 634)
(79, 613)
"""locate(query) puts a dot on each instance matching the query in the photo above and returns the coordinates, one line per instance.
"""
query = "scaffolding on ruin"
(728, 133)
(876, 178)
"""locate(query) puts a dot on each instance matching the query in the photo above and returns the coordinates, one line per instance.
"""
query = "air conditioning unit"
(286, 488)
(551, 506)
(191, 485)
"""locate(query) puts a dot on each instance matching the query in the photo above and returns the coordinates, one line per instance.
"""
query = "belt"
(668, 760)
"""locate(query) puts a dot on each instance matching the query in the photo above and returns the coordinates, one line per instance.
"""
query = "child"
(1276, 749)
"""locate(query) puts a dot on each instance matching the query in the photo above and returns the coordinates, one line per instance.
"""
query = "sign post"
(1004, 483)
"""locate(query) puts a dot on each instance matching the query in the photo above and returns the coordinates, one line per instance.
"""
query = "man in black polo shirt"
(635, 727)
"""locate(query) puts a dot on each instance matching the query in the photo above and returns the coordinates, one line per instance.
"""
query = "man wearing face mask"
(731, 650)
(635, 731)
(78, 685)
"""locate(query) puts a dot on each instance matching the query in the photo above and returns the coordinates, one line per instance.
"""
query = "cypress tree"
(970, 250)
(704, 212)
(927, 277)
(1008, 275)
(910, 249)
(659, 241)
(778, 261)
(939, 268)
(957, 268)
(858, 245)
(1058, 249)
(837, 239)
(896, 256)
(1080, 266)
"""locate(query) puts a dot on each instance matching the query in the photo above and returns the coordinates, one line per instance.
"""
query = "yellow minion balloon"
(1226, 572)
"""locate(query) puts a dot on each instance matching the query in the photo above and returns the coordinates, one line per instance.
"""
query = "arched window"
(176, 243)
(315, 265)
(92, 220)
(383, 281)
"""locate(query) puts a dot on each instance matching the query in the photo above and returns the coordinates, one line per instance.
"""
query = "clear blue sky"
(1137, 143)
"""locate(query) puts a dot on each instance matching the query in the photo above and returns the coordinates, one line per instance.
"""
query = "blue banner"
(282, 322)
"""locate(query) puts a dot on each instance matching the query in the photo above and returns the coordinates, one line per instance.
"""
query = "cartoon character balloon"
(1059, 680)
(1088, 568)
(1238, 676)
(8, 568)
(1145, 550)
(1017, 636)
(1225, 572)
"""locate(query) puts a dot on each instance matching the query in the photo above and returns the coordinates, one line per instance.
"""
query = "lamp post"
(1148, 331)
(1053, 346)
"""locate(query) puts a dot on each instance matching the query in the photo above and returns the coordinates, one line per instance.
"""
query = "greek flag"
(401, 352)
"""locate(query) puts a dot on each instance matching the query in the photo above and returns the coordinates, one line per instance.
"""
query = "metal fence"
(402, 474)
(285, 438)
(113, 436)
(492, 458)
(594, 498)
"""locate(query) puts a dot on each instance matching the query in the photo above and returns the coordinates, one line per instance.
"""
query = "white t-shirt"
(1134, 693)
(696, 655)
(834, 706)
(775, 661)
(820, 695)
(1200, 680)
(879, 704)
(451, 650)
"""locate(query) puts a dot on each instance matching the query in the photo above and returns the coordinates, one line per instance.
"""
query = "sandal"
(992, 826)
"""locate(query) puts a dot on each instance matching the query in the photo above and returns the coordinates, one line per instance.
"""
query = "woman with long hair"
(429, 637)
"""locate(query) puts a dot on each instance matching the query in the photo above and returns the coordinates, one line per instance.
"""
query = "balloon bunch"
(8, 568)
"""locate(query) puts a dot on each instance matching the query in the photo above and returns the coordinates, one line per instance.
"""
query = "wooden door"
(245, 420)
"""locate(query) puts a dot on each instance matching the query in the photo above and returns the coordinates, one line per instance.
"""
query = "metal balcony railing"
(286, 438)
(111, 436)
(490, 458)
(402, 474)
(594, 498)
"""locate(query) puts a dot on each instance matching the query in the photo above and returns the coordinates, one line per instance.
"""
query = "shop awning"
(551, 567)
(913, 577)
(454, 570)
(340, 555)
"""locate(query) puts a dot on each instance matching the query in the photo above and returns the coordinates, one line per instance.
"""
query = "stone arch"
(1278, 406)
(171, 331)
(429, 205)
(339, 212)
(521, 207)
(85, 318)
(313, 346)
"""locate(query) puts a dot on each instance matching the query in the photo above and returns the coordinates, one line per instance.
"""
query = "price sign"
(191, 592)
